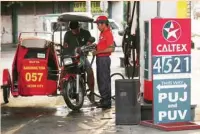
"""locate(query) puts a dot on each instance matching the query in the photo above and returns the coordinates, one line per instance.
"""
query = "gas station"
(167, 72)
(156, 91)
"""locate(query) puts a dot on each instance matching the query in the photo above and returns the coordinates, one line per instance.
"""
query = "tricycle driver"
(77, 37)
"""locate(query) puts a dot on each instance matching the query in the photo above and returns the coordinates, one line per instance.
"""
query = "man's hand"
(65, 45)
(89, 43)
(94, 53)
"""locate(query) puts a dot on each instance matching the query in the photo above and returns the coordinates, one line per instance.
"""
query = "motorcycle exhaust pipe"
(77, 83)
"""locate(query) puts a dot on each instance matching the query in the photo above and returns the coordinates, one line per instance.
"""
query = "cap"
(101, 19)
(74, 24)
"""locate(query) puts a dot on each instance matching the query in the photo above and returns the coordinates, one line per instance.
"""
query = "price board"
(171, 49)
(171, 64)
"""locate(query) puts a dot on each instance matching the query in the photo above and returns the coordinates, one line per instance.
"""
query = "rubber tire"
(6, 94)
(67, 100)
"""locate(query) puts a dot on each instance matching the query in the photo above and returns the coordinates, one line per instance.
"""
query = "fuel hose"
(128, 44)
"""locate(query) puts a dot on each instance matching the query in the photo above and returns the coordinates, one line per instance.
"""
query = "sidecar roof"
(75, 16)
(35, 43)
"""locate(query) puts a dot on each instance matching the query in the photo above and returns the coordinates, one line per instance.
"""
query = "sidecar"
(37, 68)
(33, 60)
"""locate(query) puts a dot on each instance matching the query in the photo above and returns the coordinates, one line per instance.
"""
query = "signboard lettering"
(34, 74)
(171, 48)
(173, 99)
(171, 64)
(172, 115)
(33, 77)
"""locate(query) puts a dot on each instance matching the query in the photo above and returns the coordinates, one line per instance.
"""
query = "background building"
(25, 16)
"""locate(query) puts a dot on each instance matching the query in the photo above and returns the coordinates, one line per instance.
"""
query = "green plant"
(124, 23)
(125, 9)
(11, 3)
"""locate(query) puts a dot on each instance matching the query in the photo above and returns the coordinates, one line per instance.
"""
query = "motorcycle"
(73, 76)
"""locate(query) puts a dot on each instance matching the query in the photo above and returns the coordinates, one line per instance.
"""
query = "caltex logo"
(171, 31)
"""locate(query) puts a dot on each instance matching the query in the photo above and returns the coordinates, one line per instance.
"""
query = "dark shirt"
(74, 41)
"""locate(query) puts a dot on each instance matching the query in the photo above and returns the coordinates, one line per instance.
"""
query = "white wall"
(148, 10)
(195, 9)
(29, 23)
(195, 23)
(26, 23)
(6, 29)
(118, 11)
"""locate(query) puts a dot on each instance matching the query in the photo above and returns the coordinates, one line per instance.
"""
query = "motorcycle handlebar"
(79, 50)
(83, 48)
(88, 47)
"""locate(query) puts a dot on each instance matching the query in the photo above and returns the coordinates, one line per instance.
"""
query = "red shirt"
(105, 41)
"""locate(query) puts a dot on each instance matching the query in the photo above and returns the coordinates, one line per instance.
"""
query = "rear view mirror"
(55, 26)
(91, 39)
(91, 25)
(121, 33)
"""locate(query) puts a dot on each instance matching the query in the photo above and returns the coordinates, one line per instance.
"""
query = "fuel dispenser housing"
(148, 85)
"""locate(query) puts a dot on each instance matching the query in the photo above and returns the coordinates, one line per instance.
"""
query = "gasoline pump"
(131, 39)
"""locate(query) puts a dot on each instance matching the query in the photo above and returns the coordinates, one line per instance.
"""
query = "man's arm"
(88, 35)
(110, 44)
(65, 43)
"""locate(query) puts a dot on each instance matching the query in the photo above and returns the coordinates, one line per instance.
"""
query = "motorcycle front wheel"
(73, 100)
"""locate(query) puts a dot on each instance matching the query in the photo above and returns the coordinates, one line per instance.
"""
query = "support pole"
(88, 6)
(158, 8)
(14, 24)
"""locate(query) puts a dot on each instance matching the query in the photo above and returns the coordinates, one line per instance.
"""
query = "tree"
(12, 3)
(125, 10)
(125, 14)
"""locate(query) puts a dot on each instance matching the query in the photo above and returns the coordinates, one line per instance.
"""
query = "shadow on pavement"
(46, 120)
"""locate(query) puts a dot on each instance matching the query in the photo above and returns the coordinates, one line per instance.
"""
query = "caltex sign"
(171, 37)
(171, 66)
(171, 31)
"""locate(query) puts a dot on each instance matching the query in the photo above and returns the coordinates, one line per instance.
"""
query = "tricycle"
(41, 68)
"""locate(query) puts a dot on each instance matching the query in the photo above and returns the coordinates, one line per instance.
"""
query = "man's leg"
(90, 80)
(104, 80)
(98, 74)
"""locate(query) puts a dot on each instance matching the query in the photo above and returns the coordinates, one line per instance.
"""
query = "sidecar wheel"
(6, 94)
(68, 94)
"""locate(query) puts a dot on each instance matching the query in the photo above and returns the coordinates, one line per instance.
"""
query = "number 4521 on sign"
(171, 64)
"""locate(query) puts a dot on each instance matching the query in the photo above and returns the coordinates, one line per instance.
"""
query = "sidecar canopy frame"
(71, 16)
